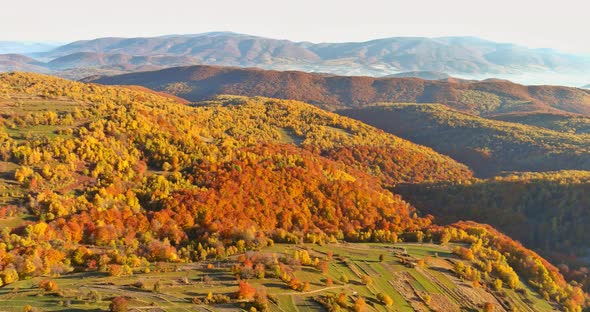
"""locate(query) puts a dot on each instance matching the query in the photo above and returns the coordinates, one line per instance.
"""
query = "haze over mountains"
(426, 75)
(19, 62)
(466, 57)
(18, 47)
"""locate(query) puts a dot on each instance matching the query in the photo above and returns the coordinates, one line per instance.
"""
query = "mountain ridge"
(464, 57)
(19, 62)
(490, 97)
(488, 50)
(488, 146)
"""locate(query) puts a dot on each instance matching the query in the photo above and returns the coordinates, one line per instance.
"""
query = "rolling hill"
(121, 61)
(489, 147)
(547, 211)
(490, 97)
(153, 202)
(17, 62)
(84, 64)
(215, 143)
(563, 123)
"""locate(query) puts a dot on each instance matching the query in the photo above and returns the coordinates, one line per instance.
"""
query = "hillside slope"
(547, 211)
(213, 144)
(17, 62)
(489, 97)
(108, 181)
(117, 61)
(562, 123)
(88, 159)
(488, 146)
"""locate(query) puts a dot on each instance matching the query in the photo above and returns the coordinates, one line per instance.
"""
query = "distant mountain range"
(586, 86)
(426, 75)
(16, 47)
(487, 98)
(18, 62)
(465, 57)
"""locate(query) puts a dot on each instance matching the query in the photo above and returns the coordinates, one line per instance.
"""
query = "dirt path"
(129, 293)
(297, 293)
(402, 283)
(458, 297)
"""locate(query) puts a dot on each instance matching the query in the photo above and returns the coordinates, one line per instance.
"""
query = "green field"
(287, 136)
(181, 282)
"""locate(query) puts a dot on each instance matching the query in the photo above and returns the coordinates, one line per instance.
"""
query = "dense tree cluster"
(559, 122)
(281, 187)
(148, 179)
(394, 165)
(488, 146)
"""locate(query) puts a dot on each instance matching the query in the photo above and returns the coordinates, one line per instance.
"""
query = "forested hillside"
(488, 146)
(112, 180)
(486, 98)
(546, 211)
(100, 143)
(563, 123)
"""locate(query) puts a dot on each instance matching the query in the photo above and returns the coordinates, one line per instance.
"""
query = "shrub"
(360, 304)
(246, 291)
(48, 285)
(119, 304)
(385, 299)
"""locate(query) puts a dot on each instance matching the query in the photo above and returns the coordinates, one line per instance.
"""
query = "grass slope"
(182, 282)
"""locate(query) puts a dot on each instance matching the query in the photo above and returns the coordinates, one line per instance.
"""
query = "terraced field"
(433, 287)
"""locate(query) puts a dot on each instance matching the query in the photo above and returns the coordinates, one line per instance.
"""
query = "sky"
(562, 25)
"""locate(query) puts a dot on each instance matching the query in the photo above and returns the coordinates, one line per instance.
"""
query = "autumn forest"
(123, 181)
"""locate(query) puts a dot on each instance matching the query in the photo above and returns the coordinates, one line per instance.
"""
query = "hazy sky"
(562, 24)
